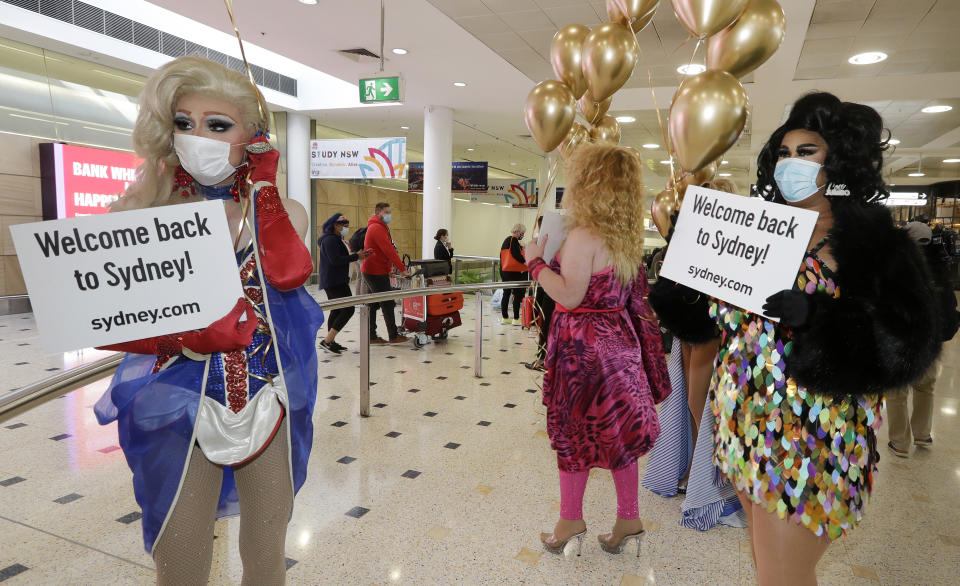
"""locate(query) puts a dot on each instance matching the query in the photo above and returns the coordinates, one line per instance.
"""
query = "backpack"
(356, 241)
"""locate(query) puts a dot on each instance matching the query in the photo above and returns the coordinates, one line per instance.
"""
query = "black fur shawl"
(881, 333)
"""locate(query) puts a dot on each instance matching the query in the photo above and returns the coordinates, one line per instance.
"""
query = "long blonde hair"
(605, 195)
(153, 132)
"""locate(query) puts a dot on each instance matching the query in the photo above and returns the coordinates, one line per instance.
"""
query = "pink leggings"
(573, 484)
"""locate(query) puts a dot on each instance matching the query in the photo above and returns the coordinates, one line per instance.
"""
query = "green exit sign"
(380, 89)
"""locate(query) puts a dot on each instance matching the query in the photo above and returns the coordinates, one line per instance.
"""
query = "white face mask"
(205, 159)
(344, 231)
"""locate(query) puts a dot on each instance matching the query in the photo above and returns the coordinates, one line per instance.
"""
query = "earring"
(837, 190)
(182, 180)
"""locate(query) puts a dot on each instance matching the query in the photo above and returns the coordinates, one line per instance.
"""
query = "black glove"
(792, 307)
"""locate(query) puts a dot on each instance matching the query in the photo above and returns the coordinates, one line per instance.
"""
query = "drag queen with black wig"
(218, 421)
(798, 402)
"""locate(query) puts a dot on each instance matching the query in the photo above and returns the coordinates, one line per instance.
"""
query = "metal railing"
(34, 394)
(484, 269)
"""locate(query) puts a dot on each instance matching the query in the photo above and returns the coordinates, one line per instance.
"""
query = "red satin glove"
(263, 165)
(283, 255)
(224, 335)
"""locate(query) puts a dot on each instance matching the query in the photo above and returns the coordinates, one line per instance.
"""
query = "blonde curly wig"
(605, 195)
(153, 132)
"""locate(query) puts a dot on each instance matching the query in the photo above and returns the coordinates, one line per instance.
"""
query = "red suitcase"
(442, 304)
(526, 312)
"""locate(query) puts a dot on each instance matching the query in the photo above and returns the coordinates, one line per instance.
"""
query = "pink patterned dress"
(605, 372)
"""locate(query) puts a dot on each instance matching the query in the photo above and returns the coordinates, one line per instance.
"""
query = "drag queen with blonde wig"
(217, 421)
(605, 364)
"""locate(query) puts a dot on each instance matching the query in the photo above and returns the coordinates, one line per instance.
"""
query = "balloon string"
(680, 46)
(261, 104)
(663, 131)
(551, 175)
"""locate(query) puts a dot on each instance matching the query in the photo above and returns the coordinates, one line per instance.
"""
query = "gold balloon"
(707, 116)
(610, 53)
(751, 40)
(664, 206)
(706, 174)
(636, 13)
(565, 52)
(680, 188)
(708, 17)
(578, 135)
(606, 130)
(549, 113)
(593, 110)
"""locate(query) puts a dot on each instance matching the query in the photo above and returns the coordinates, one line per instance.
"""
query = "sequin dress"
(807, 457)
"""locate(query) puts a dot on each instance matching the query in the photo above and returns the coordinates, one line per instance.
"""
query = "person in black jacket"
(333, 275)
(513, 269)
(917, 428)
(799, 401)
(443, 249)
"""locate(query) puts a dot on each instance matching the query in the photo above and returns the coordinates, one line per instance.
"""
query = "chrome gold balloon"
(578, 135)
(635, 13)
(549, 113)
(593, 110)
(565, 57)
(664, 206)
(610, 52)
(706, 174)
(750, 41)
(707, 116)
(606, 130)
(704, 18)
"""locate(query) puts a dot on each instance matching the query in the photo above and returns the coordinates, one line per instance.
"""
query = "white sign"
(735, 248)
(359, 158)
(554, 227)
(110, 278)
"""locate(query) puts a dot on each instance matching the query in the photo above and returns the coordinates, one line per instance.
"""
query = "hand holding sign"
(741, 250)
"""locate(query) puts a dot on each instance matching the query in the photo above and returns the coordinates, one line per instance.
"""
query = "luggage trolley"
(429, 316)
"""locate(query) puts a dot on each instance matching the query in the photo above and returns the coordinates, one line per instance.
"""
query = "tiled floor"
(450, 480)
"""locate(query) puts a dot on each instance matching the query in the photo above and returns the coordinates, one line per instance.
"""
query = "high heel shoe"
(618, 548)
(558, 548)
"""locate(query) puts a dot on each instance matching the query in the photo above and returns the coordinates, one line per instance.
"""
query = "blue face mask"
(797, 178)
(345, 231)
(387, 218)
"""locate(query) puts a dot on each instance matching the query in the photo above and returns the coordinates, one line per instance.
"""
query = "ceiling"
(500, 48)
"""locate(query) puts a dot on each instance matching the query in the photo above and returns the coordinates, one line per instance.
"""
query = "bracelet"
(535, 266)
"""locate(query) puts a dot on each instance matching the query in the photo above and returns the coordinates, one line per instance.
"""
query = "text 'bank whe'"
(111, 278)
(738, 249)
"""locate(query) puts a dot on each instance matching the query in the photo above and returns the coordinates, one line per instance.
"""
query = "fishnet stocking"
(183, 554)
(266, 501)
(185, 549)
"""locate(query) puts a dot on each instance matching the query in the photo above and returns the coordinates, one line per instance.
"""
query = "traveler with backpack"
(333, 275)
(376, 272)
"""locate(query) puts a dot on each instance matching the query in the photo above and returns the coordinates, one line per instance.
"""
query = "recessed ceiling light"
(512, 164)
(664, 162)
(311, 2)
(650, 145)
(471, 150)
(626, 119)
(916, 174)
(460, 83)
(868, 58)
(726, 174)
(936, 109)
(951, 160)
(530, 169)
(893, 141)
(724, 162)
(405, 127)
(399, 51)
(691, 69)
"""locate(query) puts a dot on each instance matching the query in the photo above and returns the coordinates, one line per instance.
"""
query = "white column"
(437, 162)
(298, 164)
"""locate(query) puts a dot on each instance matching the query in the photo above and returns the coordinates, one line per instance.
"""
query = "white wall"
(479, 229)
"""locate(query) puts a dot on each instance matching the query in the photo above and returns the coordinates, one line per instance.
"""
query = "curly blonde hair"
(605, 195)
(153, 132)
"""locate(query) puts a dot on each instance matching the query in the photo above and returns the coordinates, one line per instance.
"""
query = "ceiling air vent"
(358, 54)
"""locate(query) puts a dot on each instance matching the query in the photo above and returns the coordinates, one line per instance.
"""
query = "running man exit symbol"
(380, 89)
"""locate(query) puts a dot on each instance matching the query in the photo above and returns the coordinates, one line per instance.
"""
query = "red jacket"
(384, 253)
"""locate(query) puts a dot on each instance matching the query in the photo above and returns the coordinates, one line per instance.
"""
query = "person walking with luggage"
(512, 268)
(333, 275)
(376, 270)
(916, 429)
(443, 249)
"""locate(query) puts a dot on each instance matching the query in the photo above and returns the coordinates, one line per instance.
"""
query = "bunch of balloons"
(709, 110)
